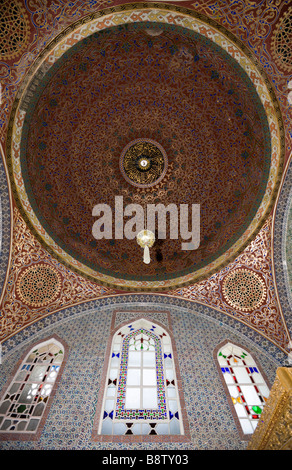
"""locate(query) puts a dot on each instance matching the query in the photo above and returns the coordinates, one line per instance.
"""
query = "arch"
(246, 387)
(6, 223)
(141, 396)
(26, 400)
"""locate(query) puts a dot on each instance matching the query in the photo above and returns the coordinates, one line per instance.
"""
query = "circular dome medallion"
(14, 40)
(143, 163)
(39, 285)
(244, 290)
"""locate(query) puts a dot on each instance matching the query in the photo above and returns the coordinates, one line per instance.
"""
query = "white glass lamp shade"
(145, 239)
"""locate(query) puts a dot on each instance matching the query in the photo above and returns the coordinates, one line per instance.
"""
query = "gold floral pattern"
(274, 429)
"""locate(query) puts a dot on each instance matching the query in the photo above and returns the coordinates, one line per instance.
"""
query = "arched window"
(26, 399)
(247, 388)
(141, 394)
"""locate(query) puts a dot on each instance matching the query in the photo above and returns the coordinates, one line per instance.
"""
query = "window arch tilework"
(142, 397)
(25, 402)
(245, 385)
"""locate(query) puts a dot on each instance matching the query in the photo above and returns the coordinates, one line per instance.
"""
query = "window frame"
(243, 436)
(34, 435)
(101, 393)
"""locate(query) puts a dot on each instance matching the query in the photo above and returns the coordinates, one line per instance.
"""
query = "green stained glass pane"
(220, 354)
(21, 408)
(257, 410)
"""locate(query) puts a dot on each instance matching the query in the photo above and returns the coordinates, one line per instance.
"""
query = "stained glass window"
(246, 385)
(141, 395)
(26, 398)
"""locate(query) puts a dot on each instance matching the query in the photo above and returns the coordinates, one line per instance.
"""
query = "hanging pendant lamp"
(145, 239)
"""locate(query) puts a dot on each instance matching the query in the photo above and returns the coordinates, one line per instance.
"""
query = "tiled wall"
(70, 420)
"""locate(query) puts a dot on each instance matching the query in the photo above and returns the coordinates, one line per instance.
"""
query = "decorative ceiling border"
(6, 225)
(142, 303)
(162, 13)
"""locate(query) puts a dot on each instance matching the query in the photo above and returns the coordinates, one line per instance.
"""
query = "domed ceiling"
(154, 113)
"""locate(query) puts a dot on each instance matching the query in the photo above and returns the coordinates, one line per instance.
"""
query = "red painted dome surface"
(158, 83)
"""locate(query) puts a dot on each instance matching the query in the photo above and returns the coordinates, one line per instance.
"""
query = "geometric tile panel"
(70, 420)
